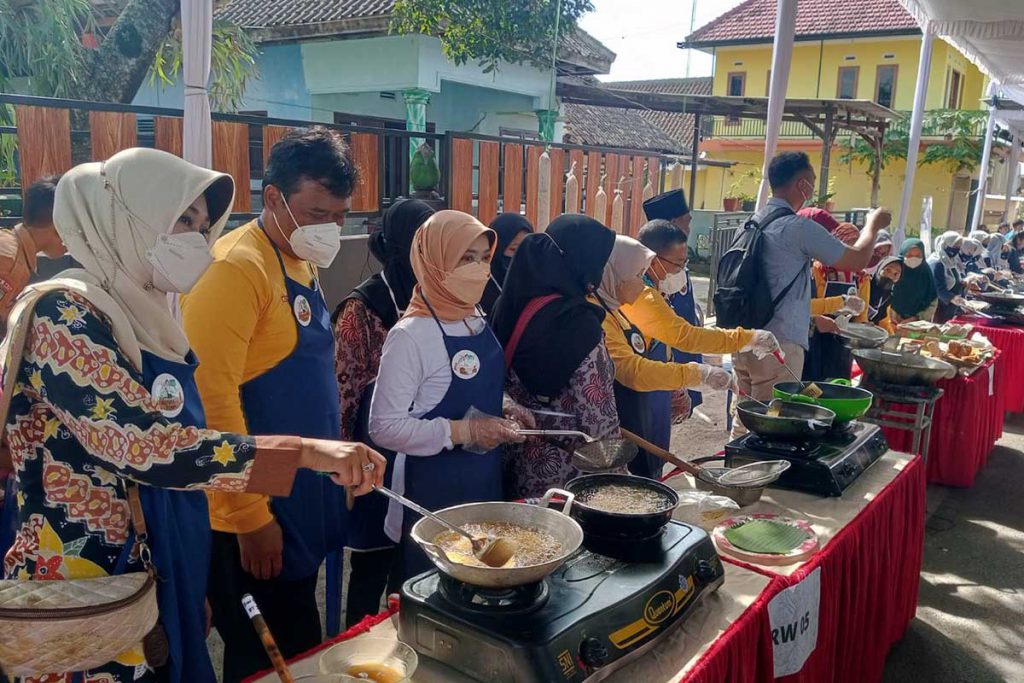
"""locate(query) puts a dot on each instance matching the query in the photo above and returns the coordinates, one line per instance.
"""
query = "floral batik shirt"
(80, 422)
(536, 465)
(360, 335)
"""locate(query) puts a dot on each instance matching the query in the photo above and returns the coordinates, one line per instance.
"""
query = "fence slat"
(366, 197)
(654, 174)
(533, 153)
(557, 181)
(512, 186)
(462, 175)
(271, 136)
(611, 169)
(577, 157)
(44, 142)
(487, 204)
(636, 198)
(593, 183)
(231, 156)
(110, 132)
(167, 134)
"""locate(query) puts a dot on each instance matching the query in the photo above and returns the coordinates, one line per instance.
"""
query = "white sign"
(794, 623)
(926, 223)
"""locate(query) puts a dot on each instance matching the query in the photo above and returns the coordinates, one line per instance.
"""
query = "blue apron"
(685, 306)
(179, 530)
(645, 413)
(455, 477)
(299, 397)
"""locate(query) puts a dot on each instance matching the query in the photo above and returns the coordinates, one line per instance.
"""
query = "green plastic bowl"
(846, 401)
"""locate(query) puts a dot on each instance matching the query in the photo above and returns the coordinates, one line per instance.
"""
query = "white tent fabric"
(924, 65)
(196, 38)
(782, 56)
(988, 32)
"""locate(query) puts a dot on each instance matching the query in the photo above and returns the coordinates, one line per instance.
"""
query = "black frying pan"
(795, 422)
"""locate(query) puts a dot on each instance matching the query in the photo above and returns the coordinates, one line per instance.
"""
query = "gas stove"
(825, 466)
(609, 603)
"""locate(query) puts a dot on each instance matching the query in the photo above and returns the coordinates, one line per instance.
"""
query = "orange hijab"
(437, 248)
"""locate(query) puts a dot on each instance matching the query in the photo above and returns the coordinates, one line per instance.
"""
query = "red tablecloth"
(968, 421)
(1009, 339)
(869, 582)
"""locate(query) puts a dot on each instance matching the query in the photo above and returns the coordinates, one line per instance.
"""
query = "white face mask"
(673, 284)
(179, 261)
(318, 244)
(913, 261)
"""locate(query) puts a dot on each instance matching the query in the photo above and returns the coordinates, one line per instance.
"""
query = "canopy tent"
(990, 34)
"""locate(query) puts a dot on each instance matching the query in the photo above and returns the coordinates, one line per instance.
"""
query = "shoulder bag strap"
(525, 317)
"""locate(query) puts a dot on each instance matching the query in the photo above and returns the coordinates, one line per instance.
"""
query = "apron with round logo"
(456, 476)
(299, 397)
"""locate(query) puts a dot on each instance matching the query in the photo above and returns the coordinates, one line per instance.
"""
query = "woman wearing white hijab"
(100, 403)
(949, 284)
(639, 372)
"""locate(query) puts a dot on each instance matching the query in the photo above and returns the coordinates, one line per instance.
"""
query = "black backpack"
(742, 297)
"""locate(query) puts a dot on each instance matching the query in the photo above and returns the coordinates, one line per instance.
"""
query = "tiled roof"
(612, 127)
(754, 21)
(271, 13)
(679, 127)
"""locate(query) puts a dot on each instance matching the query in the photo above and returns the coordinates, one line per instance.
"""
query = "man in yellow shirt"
(259, 325)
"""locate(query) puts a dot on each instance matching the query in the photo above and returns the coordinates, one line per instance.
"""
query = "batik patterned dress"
(536, 465)
(360, 335)
(74, 387)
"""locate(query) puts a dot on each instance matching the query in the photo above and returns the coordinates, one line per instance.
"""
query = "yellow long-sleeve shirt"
(656, 320)
(240, 325)
(831, 304)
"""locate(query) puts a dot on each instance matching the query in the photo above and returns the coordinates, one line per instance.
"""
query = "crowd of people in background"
(222, 418)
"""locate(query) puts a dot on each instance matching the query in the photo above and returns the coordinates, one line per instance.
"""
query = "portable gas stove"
(607, 604)
(826, 466)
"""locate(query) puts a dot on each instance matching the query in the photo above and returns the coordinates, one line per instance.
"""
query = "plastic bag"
(704, 509)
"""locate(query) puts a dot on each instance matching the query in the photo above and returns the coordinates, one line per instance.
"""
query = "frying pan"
(795, 422)
(847, 402)
(614, 524)
(1003, 299)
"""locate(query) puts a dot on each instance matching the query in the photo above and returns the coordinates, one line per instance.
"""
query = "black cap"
(667, 206)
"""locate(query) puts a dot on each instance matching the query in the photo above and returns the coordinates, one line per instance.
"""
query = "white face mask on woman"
(179, 260)
(318, 243)
(913, 261)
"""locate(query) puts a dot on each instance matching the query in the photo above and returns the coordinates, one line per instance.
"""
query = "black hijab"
(391, 245)
(568, 259)
(878, 307)
(507, 226)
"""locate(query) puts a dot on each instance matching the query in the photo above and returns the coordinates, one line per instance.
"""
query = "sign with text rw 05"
(794, 622)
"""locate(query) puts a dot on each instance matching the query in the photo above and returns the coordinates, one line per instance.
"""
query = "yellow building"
(844, 49)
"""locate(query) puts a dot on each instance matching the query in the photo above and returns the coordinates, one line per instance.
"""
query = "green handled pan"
(846, 401)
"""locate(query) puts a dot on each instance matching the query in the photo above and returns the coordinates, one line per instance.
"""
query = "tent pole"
(986, 156)
(782, 56)
(924, 67)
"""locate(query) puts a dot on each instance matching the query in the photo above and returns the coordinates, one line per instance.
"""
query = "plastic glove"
(482, 434)
(715, 378)
(854, 304)
(959, 301)
(762, 344)
(517, 413)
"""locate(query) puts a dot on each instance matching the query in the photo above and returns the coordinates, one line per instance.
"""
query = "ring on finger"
(368, 467)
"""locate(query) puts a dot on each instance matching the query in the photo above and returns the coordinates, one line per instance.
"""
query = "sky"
(643, 35)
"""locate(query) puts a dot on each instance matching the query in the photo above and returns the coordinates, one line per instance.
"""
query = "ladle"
(494, 552)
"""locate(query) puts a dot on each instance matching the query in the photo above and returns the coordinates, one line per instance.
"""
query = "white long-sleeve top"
(414, 376)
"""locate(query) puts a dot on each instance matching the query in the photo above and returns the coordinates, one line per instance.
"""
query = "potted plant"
(824, 201)
(740, 198)
(730, 203)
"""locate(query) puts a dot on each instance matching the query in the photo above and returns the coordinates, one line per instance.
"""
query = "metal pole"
(1012, 176)
(986, 156)
(924, 64)
(694, 152)
(826, 155)
(782, 54)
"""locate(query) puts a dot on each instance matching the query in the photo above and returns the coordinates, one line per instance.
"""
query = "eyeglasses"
(680, 266)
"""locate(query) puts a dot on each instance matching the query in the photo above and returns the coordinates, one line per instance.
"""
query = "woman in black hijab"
(361, 322)
(512, 229)
(554, 348)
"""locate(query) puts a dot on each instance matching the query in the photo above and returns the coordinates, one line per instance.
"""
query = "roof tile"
(754, 20)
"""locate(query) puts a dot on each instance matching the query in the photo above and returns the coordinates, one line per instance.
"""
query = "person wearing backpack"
(764, 279)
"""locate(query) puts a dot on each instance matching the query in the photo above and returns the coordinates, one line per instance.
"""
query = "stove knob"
(706, 571)
(593, 653)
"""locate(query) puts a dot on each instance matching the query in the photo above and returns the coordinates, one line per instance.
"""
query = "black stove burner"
(595, 613)
(825, 467)
(645, 549)
(797, 449)
(512, 600)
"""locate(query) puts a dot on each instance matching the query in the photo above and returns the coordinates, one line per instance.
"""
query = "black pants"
(366, 583)
(289, 608)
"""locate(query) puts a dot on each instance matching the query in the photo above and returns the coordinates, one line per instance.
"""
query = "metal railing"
(937, 123)
(730, 127)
